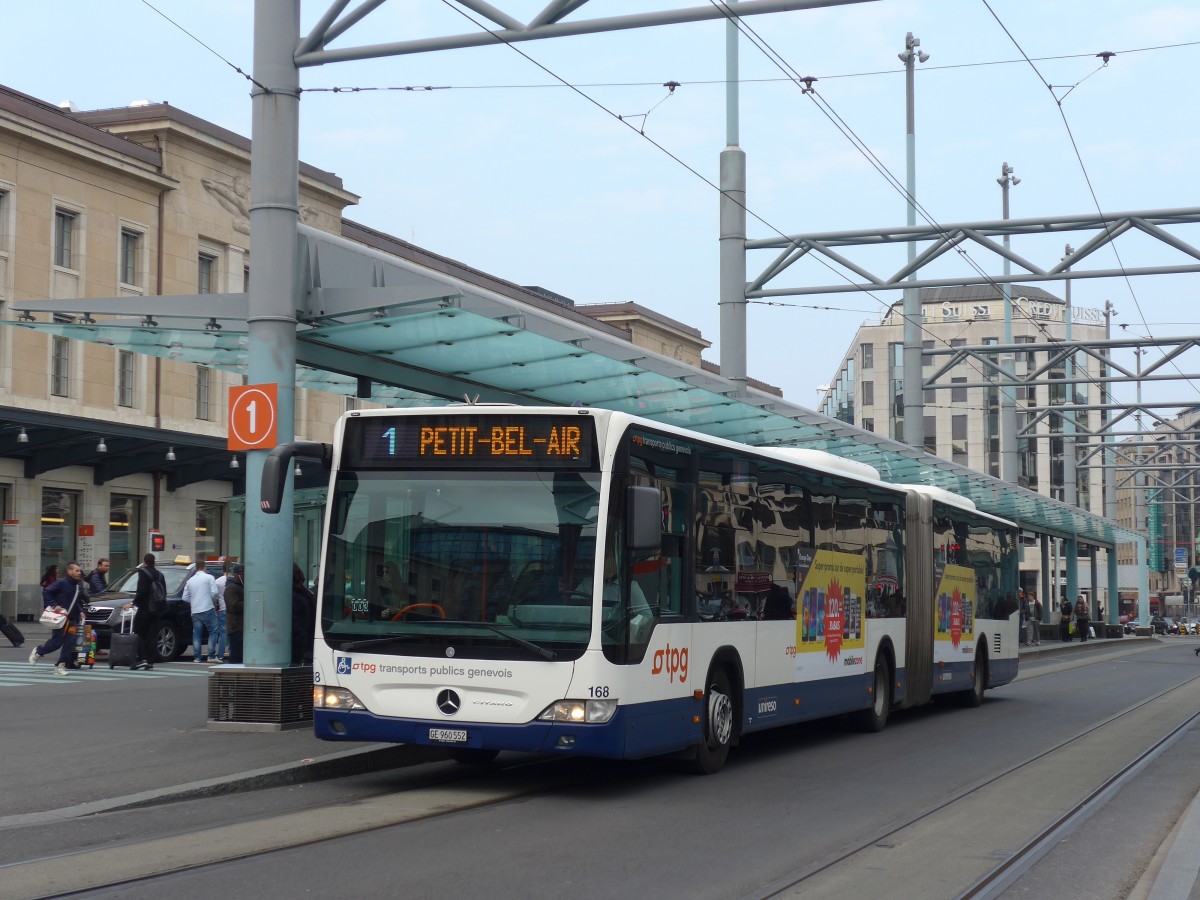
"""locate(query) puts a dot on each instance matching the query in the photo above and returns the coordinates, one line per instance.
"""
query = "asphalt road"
(788, 800)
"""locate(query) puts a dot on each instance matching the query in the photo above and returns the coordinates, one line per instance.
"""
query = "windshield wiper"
(543, 652)
(376, 642)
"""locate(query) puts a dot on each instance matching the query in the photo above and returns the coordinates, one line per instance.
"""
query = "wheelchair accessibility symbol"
(343, 665)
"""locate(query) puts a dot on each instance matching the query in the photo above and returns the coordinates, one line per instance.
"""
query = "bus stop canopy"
(421, 330)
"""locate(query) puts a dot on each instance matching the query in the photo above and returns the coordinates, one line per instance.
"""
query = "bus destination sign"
(502, 442)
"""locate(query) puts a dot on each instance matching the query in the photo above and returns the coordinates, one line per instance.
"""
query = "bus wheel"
(875, 716)
(979, 679)
(473, 756)
(718, 725)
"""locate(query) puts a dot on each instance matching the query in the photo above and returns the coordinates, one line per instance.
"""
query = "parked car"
(172, 632)
(1160, 625)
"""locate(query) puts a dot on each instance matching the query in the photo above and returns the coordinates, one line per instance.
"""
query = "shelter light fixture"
(170, 454)
(22, 438)
(86, 319)
(212, 324)
(102, 447)
(148, 322)
(26, 316)
(233, 462)
(297, 471)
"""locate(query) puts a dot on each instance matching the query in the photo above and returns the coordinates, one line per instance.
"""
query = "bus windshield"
(491, 564)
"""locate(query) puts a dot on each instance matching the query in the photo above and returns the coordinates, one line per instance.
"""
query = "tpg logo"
(674, 660)
(344, 665)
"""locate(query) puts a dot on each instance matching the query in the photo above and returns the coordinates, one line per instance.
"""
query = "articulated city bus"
(580, 581)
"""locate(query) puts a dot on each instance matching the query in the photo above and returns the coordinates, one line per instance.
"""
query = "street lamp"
(1009, 470)
(914, 425)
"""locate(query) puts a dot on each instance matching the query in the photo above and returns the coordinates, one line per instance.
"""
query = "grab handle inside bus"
(644, 534)
(278, 465)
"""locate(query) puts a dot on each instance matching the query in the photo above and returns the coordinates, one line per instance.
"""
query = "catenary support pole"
(733, 225)
(274, 206)
(913, 395)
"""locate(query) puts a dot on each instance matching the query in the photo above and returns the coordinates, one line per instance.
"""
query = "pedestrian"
(147, 615)
(222, 619)
(1023, 607)
(200, 593)
(70, 593)
(234, 604)
(1064, 621)
(1082, 617)
(1035, 613)
(48, 578)
(304, 614)
(97, 579)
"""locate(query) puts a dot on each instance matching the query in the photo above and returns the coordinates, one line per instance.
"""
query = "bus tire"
(973, 696)
(874, 717)
(717, 738)
(473, 756)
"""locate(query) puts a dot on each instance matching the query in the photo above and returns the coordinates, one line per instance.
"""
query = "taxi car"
(172, 631)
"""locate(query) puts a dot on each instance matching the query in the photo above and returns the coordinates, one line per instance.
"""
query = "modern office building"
(962, 408)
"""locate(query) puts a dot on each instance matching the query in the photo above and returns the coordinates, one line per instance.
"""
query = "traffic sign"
(1181, 560)
(253, 422)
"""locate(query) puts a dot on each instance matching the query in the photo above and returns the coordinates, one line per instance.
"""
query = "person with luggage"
(143, 621)
(69, 593)
(1082, 618)
(97, 579)
(1064, 621)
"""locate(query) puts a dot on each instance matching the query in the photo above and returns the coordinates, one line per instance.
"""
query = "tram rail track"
(903, 852)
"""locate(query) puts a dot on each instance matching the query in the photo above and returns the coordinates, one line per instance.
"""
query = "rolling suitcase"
(12, 632)
(123, 645)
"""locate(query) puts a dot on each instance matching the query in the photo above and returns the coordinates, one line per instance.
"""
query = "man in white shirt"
(200, 593)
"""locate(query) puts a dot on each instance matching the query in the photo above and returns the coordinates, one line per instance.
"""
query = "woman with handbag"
(70, 595)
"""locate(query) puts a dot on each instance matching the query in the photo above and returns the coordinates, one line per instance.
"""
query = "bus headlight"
(334, 698)
(588, 712)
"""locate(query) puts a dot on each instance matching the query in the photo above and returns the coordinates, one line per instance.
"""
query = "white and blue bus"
(581, 581)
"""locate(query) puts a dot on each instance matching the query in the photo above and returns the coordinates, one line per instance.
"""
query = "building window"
(868, 356)
(124, 530)
(206, 274)
(59, 512)
(868, 389)
(131, 243)
(209, 518)
(868, 424)
(125, 373)
(958, 439)
(930, 434)
(958, 394)
(64, 238)
(202, 386)
(60, 366)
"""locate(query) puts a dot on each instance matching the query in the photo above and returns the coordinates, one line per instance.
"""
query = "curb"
(359, 761)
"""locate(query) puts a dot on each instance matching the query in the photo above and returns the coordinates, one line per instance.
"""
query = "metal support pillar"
(1144, 575)
(1070, 471)
(1047, 591)
(1010, 467)
(1071, 552)
(1114, 596)
(1094, 573)
(274, 213)
(733, 226)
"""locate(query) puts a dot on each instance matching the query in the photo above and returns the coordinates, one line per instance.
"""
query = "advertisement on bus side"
(830, 613)
(955, 613)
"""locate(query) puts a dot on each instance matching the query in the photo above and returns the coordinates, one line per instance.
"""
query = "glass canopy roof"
(458, 341)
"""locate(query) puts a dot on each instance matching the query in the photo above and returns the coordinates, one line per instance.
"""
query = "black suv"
(1159, 625)
(172, 632)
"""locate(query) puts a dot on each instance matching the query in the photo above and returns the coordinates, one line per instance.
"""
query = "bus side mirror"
(278, 466)
(644, 531)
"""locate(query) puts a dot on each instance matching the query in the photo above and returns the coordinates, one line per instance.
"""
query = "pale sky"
(512, 173)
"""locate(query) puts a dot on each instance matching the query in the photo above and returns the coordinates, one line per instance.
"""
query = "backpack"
(158, 596)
